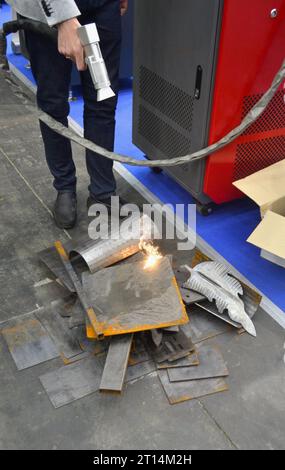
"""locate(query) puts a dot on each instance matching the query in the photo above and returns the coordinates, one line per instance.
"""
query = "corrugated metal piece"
(250, 297)
(124, 243)
(189, 296)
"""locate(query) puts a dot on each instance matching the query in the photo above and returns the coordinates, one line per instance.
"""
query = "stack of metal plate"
(110, 327)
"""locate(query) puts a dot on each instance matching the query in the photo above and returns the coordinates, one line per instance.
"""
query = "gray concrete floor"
(251, 415)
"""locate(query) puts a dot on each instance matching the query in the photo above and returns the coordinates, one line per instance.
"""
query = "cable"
(249, 119)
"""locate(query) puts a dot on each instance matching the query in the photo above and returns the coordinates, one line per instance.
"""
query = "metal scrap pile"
(117, 313)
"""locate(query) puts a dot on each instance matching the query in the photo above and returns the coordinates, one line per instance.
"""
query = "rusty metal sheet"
(61, 335)
(72, 382)
(178, 392)
(28, 342)
(47, 292)
(211, 364)
(71, 360)
(69, 383)
(134, 298)
(116, 364)
(51, 259)
(191, 360)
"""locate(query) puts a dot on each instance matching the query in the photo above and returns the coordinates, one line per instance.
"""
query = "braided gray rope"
(249, 119)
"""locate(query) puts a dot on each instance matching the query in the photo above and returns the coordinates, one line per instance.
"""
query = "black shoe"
(106, 202)
(65, 209)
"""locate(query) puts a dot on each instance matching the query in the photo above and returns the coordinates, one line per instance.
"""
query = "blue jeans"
(52, 73)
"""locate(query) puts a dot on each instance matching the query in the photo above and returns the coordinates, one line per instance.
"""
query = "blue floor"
(226, 230)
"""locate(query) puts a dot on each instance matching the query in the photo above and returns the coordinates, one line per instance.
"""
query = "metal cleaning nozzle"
(89, 38)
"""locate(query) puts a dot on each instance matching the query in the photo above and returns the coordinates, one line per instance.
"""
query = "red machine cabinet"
(251, 50)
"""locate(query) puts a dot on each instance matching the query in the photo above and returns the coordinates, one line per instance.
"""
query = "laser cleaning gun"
(89, 38)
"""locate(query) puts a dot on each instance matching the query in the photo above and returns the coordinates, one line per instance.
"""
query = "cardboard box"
(267, 189)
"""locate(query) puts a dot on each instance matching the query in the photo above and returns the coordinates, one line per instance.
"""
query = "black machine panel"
(174, 56)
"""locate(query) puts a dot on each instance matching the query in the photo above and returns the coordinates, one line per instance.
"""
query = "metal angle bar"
(79, 289)
(116, 364)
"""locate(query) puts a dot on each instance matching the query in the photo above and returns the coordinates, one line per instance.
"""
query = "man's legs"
(52, 73)
(99, 117)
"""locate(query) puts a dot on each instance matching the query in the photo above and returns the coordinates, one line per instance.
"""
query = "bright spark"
(152, 254)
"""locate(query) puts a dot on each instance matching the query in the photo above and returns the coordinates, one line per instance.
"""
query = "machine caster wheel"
(156, 170)
(204, 209)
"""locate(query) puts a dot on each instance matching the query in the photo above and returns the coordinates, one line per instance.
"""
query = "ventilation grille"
(272, 118)
(162, 136)
(167, 98)
(255, 156)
